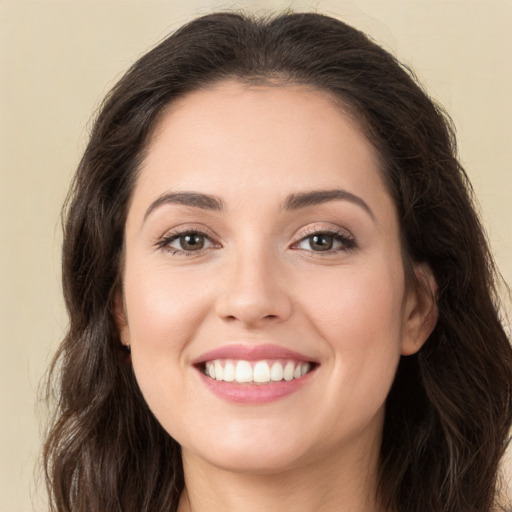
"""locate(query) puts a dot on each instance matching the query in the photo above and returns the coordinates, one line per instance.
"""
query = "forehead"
(234, 139)
(240, 106)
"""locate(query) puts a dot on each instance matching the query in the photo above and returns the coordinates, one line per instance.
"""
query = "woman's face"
(264, 295)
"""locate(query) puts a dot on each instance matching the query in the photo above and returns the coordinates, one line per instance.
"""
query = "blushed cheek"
(361, 316)
(162, 308)
(162, 312)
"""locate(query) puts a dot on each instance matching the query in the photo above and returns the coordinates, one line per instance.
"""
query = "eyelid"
(174, 233)
(189, 228)
(317, 227)
(342, 233)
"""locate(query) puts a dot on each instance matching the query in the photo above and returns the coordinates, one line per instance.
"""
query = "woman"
(280, 295)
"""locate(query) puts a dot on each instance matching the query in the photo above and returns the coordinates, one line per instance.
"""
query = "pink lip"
(251, 353)
(254, 393)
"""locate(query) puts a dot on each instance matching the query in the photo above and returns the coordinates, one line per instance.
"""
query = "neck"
(348, 485)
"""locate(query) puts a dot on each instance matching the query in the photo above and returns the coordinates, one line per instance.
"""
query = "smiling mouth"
(256, 372)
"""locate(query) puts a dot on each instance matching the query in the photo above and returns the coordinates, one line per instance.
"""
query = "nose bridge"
(254, 290)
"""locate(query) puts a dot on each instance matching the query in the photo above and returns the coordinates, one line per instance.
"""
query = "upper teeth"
(255, 371)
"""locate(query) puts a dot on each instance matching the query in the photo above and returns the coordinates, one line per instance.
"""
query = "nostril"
(253, 307)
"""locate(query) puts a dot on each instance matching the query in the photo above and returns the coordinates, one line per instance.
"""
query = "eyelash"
(346, 241)
(165, 242)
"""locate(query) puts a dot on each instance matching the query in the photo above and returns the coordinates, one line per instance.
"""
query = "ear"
(121, 320)
(421, 312)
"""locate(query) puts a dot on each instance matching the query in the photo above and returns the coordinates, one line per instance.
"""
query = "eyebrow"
(304, 199)
(292, 203)
(195, 199)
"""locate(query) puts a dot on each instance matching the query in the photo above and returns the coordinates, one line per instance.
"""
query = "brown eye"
(189, 242)
(321, 242)
(192, 242)
(326, 242)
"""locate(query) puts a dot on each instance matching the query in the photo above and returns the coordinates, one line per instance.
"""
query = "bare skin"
(300, 490)
(260, 219)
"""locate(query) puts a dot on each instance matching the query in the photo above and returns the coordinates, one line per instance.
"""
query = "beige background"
(58, 59)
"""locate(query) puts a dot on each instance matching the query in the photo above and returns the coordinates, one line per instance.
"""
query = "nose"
(255, 291)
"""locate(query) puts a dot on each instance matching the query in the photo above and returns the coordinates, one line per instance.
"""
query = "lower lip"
(254, 393)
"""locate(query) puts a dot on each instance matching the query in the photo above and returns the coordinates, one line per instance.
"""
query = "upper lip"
(251, 353)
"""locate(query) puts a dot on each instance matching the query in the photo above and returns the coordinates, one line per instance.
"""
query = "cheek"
(162, 307)
(367, 301)
(163, 310)
(360, 316)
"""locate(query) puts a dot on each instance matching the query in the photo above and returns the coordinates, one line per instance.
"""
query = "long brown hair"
(449, 412)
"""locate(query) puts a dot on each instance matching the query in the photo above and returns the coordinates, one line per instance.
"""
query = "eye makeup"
(319, 239)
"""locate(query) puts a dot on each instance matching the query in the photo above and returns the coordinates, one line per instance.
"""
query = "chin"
(251, 452)
(254, 461)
